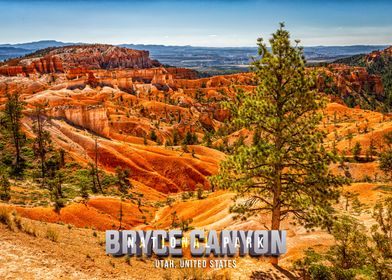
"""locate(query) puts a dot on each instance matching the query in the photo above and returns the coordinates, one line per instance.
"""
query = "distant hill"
(355, 60)
(33, 46)
(8, 51)
(11, 52)
(204, 59)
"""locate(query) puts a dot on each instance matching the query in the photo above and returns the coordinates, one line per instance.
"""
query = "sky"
(215, 23)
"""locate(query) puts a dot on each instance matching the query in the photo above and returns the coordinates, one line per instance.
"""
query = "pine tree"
(190, 138)
(350, 137)
(372, 150)
(55, 178)
(42, 142)
(153, 135)
(388, 139)
(386, 163)
(286, 172)
(207, 139)
(84, 186)
(11, 124)
(357, 253)
(357, 150)
(5, 188)
(386, 157)
(175, 138)
(96, 171)
(91, 173)
(123, 182)
(120, 213)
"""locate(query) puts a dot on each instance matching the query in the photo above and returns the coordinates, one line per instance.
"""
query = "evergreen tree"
(42, 142)
(190, 138)
(153, 135)
(207, 139)
(92, 175)
(388, 139)
(348, 256)
(256, 137)
(287, 170)
(11, 124)
(83, 184)
(122, 178)
(5, 188)
(55, 178)
(372, 150)
(124, 184)
(357, 253)
(120, 213)
(357, 150)
(175, 138)
(386, 163)
(97, 171)
(350, 137)
(386, 157)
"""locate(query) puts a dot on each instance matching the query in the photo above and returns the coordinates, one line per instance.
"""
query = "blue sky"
(198, 23)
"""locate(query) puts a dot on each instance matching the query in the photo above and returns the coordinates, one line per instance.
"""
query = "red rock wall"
(81, 58)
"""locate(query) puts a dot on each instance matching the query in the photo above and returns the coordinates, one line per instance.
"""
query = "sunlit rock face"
(121, 96)
(82, 57)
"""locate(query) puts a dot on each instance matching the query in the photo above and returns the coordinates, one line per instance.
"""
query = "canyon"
(136, 113)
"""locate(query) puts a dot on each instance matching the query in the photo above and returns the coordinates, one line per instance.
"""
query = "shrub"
(6, 217)
(58, 204)
(17, 221)
(153, 136)
(190, 138)
(52, 234)
(366, 178)
(358, 253)
(30, 229)
(192, 273)
(185, 195)
(199, 189)
(5, 188)
(169, 201)
(185, 224)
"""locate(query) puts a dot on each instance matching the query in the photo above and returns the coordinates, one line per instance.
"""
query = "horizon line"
(196, 46)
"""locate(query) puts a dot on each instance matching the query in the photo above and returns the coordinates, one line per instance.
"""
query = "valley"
(118, 109)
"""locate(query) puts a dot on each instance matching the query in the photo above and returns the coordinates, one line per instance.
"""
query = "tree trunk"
(96, 166)
(275, 225)
(17, 149)
(94, 188)
(121, 214)
(276, 211)
(41, 146)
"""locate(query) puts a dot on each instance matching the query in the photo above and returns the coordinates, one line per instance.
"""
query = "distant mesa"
(61, 59)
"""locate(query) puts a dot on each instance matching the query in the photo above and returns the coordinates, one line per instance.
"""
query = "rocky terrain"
(167, 126)
(58, 60)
